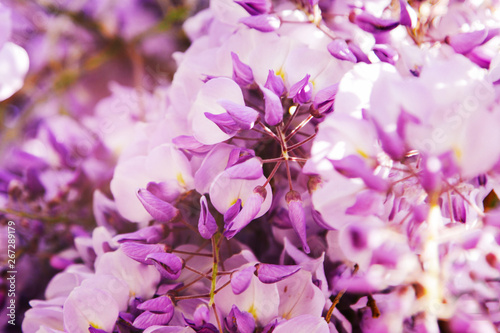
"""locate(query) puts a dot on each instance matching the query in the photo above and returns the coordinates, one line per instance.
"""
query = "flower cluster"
(304, 166)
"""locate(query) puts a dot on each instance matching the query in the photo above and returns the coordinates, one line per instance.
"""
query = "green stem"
(215, 267)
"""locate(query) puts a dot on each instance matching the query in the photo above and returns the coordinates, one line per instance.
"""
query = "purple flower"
(249, 211)
(160, 210)
(240, 280)
(263, 23)
(139, 252)
(297, 217)
(339, 49)
(255, 7)
(372, 24)
(301, 92)
(268, 273)
(206, 223)
(273, 107)
(275, 84)
(239, 322)
(169, 265)
(158, 311)
(242, 73)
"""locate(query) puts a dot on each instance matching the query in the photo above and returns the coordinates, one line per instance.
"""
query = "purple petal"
(160, 210)
(250, 209)
(275, 83)
(273, 107)
(168, 264)
(360, 55)
(139, 252)
(189, 143)
(201, 315)
(339, 49)
(250, 169)
(386, 54)
(241, 280)
(297, 217)
(166, 191)
(355, 167)
(96, 330)
(392, 143)
(263, 23)
(481, 57)
(225, 122)
(232, 212)
(239, 322)
(301, 92)
(464, 43)
(255, 7)
(152, 234)
(244, 116)
(206, 223)
(239, 155)
(430, 177)
(162, 304)
(147, 319)
(324, 99)
(405, 18)
(268, 273)
(372, 24)
(242, 73)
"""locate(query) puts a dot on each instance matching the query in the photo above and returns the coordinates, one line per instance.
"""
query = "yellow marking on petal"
(458, 153)
(362, 153)
(94, 325)
(253, 312)
(281, 73)
(181, 180)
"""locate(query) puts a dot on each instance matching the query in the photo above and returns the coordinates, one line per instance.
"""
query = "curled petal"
(242, 73)
(372, 24)
(160, 210)
(355, 167)
(241, 280)
(239, 321)
(232, 212)
(201, 315)
(147, 319)
(206, 223)
(268, 273)
(386, 54)
(139, 252)
(263, 23)
(273, 107)
(162, 304)
(275, 83)
(244, 116)
(324, 99)
(224, 121)
(250, 169)
(248, 212)
(408, 17)
(255, 7)
(168, 264)
(189, 143)
(166, 191)
(301, 92)
(152, 234)
(339, 49)
(297, 217)
(239, 155)
(465, 42)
